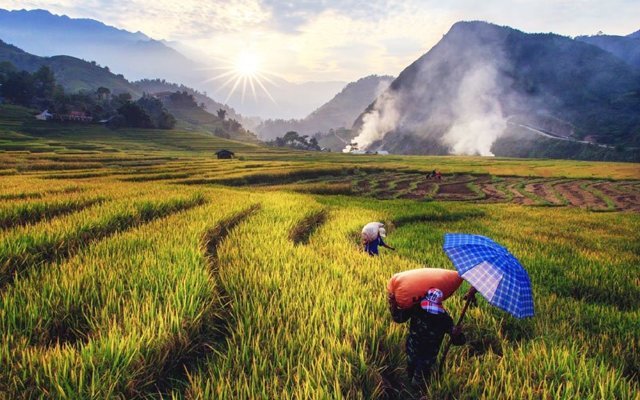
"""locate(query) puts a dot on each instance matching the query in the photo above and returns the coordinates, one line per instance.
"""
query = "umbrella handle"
(470, 296)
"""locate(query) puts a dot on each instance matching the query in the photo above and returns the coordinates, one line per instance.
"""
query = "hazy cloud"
(317, 39)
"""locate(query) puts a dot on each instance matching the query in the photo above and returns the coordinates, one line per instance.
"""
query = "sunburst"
(245, 72)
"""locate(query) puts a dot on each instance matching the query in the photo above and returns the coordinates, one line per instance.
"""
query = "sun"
(245, 72)
(247, 64)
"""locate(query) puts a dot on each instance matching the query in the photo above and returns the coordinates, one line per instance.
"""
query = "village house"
(44, 116)
(79, 116)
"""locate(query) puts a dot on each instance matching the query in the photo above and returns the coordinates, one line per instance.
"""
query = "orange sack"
(411, 286)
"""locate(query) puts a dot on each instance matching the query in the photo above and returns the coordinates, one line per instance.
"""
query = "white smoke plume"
(479, 120)
(380, 120)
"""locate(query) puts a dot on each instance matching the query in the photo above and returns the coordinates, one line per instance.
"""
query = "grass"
(243, 280)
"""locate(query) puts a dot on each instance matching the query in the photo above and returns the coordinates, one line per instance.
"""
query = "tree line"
(40, 90)
(294, 140)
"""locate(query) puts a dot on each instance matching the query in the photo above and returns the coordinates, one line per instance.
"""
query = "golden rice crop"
(199, 291)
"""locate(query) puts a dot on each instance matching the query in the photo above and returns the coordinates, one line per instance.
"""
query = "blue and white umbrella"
(493, 271)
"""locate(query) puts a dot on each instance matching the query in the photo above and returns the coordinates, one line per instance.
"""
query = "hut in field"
(225, 154)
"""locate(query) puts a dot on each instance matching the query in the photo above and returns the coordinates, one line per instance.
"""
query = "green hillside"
(72, 73)
(20, 131)
(197, 119)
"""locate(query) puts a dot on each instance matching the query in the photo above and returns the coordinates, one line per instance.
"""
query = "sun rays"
(246, 74)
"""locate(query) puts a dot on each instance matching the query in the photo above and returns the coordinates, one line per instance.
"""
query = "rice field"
(142, 267)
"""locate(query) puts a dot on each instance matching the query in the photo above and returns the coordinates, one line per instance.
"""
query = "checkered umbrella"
(493, 271)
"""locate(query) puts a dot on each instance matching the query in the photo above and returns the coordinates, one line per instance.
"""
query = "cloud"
(321, 39)
(290, 16)
(161, 19)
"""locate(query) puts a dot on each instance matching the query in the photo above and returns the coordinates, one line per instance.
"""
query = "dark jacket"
(426, 330)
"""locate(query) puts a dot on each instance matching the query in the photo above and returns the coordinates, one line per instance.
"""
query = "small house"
(44, 116)
(225, 154)
(79, 116)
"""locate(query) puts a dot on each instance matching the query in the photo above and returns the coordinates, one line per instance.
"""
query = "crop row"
(125, 316)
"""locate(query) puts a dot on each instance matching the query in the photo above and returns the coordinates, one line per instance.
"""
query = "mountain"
(75, 75)
(70, 72)
(285, 99)
(626, 48)
(339, 112)
(153, 86)
(137, 56)
(483, 85)
(134, 55)
(190, 116)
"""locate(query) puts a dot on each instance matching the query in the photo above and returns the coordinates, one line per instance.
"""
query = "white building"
(45, 115)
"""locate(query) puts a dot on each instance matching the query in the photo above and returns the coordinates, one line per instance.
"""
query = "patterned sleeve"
(399, 315)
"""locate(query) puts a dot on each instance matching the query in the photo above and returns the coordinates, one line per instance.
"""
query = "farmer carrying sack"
(409, 287)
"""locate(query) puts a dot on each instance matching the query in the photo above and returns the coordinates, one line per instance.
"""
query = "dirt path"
(518, 197)
(624, 195)
(423, 189)
(493, 193)
(544, 191)
(578, 197)
(455, 191)
(627, 201)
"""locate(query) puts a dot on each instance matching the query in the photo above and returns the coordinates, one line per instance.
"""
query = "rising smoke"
(382, 118)
(456, 98)
(478, 119)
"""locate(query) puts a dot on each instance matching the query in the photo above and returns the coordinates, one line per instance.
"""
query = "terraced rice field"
(165, 273)
(593, 194)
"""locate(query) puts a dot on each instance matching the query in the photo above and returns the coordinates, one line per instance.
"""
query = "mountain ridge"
(137, 56)
(483, 80)
(339, 112)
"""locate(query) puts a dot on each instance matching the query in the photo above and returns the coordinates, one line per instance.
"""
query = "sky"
(343, 40)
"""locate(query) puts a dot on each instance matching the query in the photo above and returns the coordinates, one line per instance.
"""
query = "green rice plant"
(182, 291)
(41, 194)
(137, 309)
(29, 250)
(475, 189)
(611, 206)
(29, 213)
(156, 177)
(303, 230)
(537, 200)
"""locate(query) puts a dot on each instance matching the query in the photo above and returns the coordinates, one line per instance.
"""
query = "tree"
(313, 144)
(103, 93)
(294, 140)
(159, 116)
(222, 113)
(166, 120)
(124, 97)
(183, 99)
(135, 116)
(6, 69)
(19, 88)
(45, 82)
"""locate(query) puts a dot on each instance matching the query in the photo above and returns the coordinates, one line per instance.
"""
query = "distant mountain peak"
(60, 21)
(482, 83)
